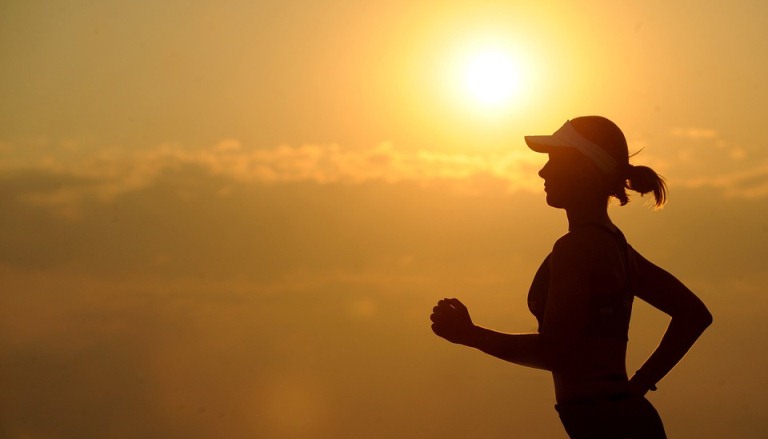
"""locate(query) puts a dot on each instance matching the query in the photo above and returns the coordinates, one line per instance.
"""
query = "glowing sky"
(231, 218)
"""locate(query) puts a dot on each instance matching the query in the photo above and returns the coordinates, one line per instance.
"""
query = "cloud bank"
(699, 159)
(109, 172)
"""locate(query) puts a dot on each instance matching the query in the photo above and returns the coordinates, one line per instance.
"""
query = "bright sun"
(492, 78)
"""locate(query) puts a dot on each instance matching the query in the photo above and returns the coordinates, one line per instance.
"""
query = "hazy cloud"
(75, 175)
(747, 183)
(320, 163)
(699, 158)
(109, 172)
(694, 133)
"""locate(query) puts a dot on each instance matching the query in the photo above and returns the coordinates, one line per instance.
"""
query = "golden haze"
(229, 219)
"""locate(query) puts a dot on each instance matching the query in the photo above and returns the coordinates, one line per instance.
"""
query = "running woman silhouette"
(582, 293)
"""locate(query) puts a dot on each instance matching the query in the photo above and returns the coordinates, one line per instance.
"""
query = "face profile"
(570, 178)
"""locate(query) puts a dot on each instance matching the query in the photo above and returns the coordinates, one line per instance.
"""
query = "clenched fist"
(451, 320)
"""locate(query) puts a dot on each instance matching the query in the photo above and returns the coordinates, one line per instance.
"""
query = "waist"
(594, 400)
(569, 389)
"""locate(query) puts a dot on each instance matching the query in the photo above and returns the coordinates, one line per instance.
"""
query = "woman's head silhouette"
(602, 142)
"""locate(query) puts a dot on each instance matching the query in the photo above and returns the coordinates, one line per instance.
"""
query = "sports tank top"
(609, 312)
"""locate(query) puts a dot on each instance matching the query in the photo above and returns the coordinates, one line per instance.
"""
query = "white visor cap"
(568, 137)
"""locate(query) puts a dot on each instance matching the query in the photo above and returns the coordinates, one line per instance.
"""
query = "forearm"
(677, 340)
(525, 349)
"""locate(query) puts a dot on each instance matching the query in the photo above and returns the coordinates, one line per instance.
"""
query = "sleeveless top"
(609, 312)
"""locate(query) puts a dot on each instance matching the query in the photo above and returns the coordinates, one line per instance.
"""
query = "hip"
(611, 417)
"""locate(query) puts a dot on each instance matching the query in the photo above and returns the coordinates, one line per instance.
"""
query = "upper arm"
(665, 292)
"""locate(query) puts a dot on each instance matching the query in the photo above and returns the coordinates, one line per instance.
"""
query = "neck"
(585, 214)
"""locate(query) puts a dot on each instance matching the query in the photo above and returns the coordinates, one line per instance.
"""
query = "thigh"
(627, 418)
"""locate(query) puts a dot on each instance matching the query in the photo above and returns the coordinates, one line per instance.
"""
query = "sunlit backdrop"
(232, 219)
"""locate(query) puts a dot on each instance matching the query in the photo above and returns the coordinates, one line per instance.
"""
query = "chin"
(555, 202)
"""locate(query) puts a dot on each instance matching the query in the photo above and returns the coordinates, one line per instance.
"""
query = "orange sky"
(231, 219)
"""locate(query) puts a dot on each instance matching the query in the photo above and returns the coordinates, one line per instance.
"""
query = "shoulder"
(585, 243)
(588, 252)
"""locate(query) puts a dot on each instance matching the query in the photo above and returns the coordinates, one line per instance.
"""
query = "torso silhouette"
(593, 366)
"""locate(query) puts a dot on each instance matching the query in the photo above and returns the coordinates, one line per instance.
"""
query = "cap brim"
(544, 144)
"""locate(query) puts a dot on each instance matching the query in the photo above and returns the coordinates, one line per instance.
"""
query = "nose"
(543, 170)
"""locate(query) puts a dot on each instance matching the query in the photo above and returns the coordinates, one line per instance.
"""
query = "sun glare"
(492, 78)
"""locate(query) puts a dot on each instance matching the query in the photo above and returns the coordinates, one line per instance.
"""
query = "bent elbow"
(697, 319)
(702, 319)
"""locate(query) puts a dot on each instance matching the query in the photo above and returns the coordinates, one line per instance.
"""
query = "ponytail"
(640, 179)
(643, 179)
